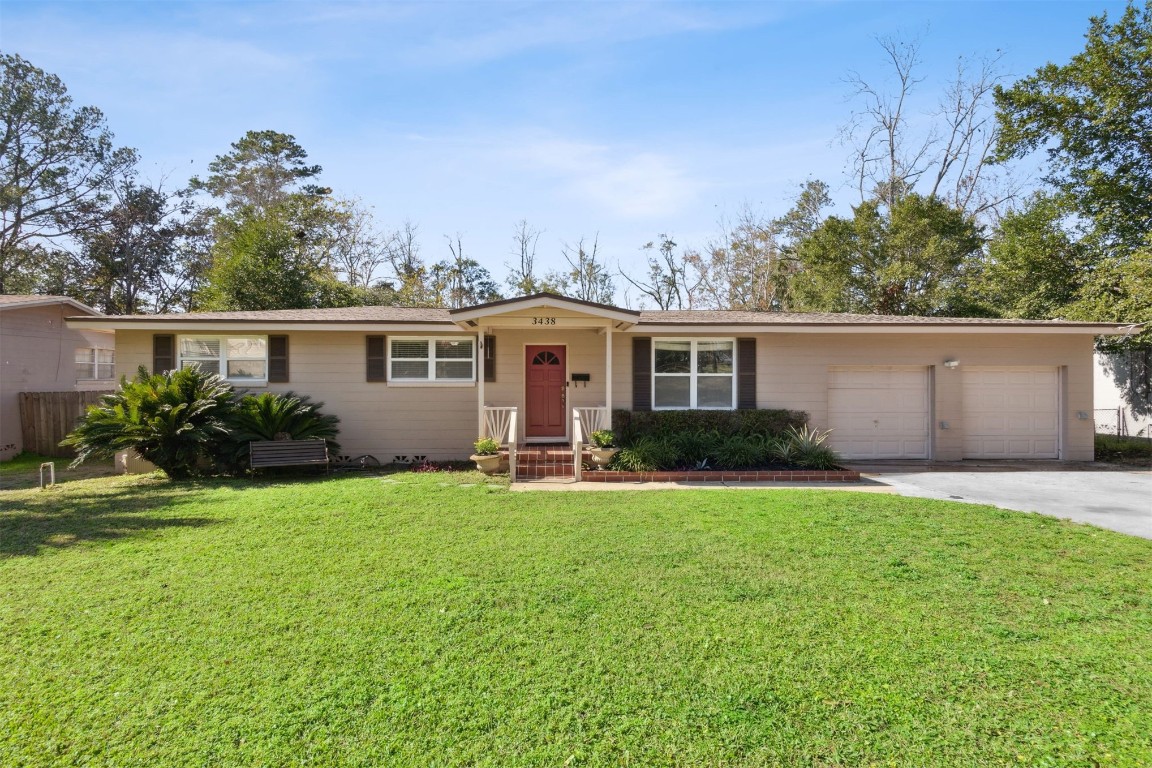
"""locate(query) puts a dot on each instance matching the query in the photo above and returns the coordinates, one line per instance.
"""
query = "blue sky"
(623, 119)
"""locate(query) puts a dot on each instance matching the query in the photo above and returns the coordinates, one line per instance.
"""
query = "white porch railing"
(585, 421)
(500, 425)
(593, 419)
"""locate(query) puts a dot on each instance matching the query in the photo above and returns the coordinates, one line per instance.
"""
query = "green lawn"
(434, 620)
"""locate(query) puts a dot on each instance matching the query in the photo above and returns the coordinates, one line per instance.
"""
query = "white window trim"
(223, 339)
(94, 373)
(432, 381)
(692, 374)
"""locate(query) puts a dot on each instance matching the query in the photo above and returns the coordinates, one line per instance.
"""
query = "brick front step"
(540, 462)
(544, 454)
(720, 476)
(537, 472)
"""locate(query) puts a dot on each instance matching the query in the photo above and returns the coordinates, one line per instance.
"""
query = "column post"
(480, 383)
(608, 373)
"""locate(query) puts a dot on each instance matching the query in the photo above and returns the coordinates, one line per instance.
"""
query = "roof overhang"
(1090, 329)
(47, 301)
(172, 323)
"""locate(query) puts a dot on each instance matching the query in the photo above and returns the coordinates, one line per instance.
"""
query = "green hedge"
(630, 426)
(796, 448)
(1129, 450)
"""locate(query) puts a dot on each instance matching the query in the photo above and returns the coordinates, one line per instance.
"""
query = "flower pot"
(488, 464)
(602, 456)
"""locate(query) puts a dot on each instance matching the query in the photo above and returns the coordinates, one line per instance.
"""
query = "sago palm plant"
(275, 416)
(174, 420)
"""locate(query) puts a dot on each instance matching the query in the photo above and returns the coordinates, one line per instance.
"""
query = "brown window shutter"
(489, 358)
(277, 359)
(163, 352)
(377, 349)
(641, 373)
(746, 374)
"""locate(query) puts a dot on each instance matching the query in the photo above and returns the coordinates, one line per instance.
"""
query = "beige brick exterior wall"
(792, 372)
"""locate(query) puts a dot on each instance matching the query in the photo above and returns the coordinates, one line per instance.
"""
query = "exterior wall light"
(951, 363)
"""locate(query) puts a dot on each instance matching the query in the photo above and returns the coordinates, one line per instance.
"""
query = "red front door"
(544, 372)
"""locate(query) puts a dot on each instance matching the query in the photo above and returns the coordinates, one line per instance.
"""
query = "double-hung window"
(443, 360)
(95, 364)
(693, 373)
(240, 359)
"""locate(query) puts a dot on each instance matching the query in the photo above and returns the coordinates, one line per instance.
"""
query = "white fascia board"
(691, 329)
(49, 301)
(248, 327)
(556, 303)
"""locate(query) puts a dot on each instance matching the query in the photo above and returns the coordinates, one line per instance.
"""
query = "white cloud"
(460, 34)
(620, 182)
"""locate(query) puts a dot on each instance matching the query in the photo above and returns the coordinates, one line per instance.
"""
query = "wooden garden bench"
(288, 453)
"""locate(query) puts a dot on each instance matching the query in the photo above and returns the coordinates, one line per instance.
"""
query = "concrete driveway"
(1104, 495)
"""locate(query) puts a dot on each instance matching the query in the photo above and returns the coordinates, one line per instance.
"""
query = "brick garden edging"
(719, 476)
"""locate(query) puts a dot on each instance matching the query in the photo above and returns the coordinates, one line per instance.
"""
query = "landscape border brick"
(716, 476)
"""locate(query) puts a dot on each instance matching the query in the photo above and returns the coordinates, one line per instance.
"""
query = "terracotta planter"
(488, 464)
(602, 456)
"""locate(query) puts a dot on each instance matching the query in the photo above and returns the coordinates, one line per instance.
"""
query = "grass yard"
(435, 620)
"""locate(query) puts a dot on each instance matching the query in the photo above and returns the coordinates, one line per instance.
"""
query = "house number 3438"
(543, 321)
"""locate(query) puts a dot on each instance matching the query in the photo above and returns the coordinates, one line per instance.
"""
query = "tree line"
(942, 225)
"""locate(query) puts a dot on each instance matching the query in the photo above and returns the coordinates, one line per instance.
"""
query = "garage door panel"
(878, 412)
(1011, 413)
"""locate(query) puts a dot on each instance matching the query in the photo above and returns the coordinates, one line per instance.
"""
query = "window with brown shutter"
(746, 374)
(641, 373)
(489, 358)
(277, 359)
(163, 352)
(376, 347)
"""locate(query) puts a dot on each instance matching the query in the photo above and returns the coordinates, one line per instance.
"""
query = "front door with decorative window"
(544, 374)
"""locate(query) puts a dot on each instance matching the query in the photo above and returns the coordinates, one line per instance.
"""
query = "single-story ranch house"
(417, 382)
(39, 353)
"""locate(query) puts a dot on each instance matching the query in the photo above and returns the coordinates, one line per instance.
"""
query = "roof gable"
(543, 301)
(23, 301)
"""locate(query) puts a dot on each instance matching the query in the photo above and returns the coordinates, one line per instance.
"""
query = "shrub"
(647, 454)
(275, 416)
(486, 446)
(808, 449)
(781, 449)
(175, 420)
(803, 447)
(696, 446)
(602, 438)
(1128, 450)
(741, 452)
(633, 425)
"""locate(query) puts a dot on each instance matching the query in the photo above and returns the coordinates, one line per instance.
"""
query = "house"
(40, 353)
(410, 383)
(1123, 392)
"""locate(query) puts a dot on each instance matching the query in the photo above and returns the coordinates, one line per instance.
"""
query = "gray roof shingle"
(703, 317)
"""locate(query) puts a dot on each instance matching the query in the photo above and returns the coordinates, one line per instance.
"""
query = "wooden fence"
(47, 417)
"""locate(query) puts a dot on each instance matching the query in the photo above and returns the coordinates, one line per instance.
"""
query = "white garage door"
(1011, 413)
(878, 412)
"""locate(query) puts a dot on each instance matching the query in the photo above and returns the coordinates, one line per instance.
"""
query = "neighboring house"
(1123, 392)
(40, 353)
(409, 383)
